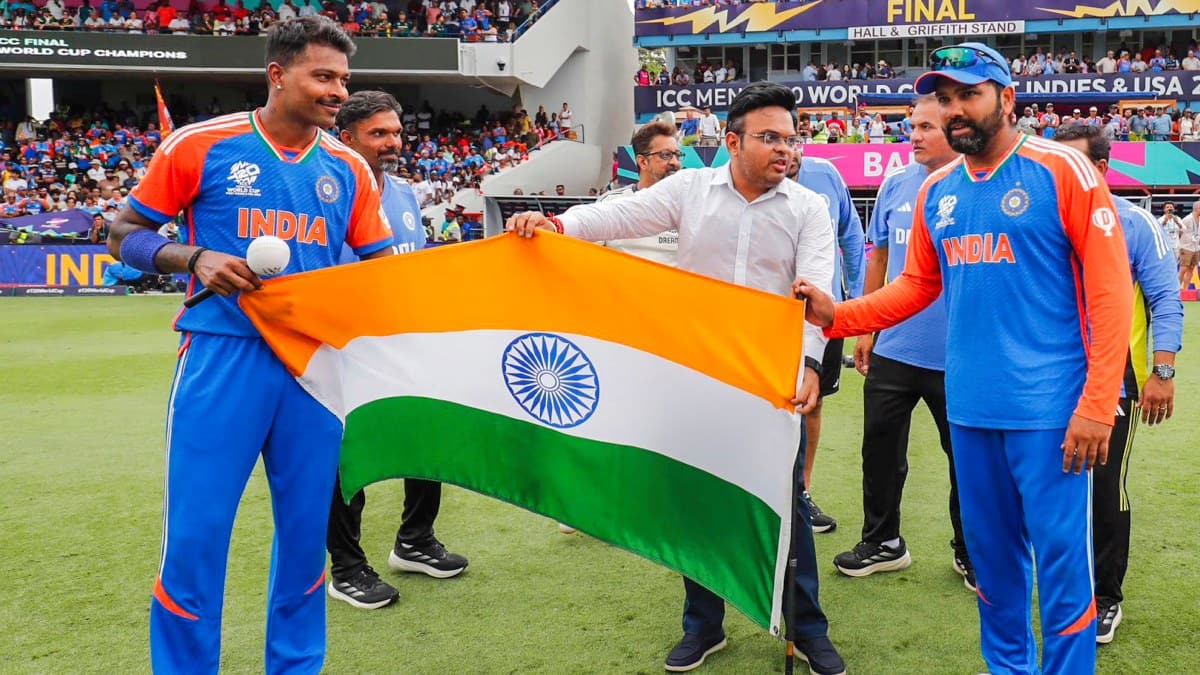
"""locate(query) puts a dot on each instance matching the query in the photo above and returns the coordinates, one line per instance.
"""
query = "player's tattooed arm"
(224, 273)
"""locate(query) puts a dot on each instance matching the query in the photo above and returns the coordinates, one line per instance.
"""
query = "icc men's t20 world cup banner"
(877, 19)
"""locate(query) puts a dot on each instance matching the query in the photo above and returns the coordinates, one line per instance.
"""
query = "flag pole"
(789, 604)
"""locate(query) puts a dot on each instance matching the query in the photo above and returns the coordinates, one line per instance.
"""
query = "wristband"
(140, 247)
(810, 362)
(558, 226)
(191, 266)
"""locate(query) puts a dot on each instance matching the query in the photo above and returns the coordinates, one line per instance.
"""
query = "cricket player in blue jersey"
(1156, 290)
(271, 171)
(369, 124)
(822, 177)
(906, 365)
(1023, 239)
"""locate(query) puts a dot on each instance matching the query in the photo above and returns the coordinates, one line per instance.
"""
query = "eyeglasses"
(959, 58)
(772, 139)
(665, 155)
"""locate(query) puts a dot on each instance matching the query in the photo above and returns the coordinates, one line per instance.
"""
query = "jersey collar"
(283, 153)
(981, 175)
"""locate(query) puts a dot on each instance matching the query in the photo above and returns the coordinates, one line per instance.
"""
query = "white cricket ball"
(268, 255)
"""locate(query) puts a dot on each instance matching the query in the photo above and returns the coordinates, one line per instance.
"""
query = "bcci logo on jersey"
(1015, 202)
(945, 208)
(243, 175)
(327, 189)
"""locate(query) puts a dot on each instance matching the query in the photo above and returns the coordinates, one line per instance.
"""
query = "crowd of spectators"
(650, 4)
(469, 20)
(1121, 60)
(92, 160)
(1150, 123)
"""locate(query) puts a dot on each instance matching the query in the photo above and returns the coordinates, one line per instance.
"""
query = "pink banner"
(865, 164)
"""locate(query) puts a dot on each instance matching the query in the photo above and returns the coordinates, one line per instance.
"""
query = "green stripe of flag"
(662, 509)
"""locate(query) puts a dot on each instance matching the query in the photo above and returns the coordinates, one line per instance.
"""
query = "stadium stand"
(468, 20)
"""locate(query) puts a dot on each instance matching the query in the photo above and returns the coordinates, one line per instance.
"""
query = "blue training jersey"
(1156, 298)
(234, 183)
(822, 177)
(403, 212)
(920, 340)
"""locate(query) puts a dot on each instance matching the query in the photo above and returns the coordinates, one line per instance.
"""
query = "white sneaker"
(566, 529)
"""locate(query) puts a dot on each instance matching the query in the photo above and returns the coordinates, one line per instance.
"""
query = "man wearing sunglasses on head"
(1016, 234)
(741, 223)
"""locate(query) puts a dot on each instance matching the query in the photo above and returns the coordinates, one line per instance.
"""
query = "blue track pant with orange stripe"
(1017, 504)
(232, 401)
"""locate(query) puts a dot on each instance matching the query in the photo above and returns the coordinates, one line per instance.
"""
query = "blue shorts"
(231, 402)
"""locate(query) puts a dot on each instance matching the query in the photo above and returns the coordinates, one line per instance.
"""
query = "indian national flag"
(645, 406)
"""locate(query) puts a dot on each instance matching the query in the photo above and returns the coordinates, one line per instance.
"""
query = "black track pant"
(422, 499)
(1110, 506)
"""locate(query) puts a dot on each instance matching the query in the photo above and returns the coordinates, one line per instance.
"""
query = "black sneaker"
(691, 652)
(868, 558)
(1108, 617)
(364, 590)
(820, 521)
(821, 656)
(430, 558)
(962, 565)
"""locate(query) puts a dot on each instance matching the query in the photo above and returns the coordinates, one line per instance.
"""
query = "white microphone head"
(268, 255)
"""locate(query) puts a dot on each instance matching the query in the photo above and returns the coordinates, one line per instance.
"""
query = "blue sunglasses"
(960, 58)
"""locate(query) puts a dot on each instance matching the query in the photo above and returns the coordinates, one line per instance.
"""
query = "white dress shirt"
(765, 244)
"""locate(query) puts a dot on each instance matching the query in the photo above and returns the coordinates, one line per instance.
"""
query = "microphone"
(266, 256)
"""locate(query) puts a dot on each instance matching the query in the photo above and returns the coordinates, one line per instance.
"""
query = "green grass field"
(82, 405)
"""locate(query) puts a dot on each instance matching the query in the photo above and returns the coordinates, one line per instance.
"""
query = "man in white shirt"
(720, 74)
(1189, 245)
(1190, 62)
(286, 10)
(56, 9)
(423, 190)
(710, 130)
(306, 8)
(1172, 227)
(741, 223)
(658, 156)
(565, 119)
(1108, 64)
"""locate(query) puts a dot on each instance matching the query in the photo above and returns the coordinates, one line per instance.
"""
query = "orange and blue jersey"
(1013, 248)
(1038, 327)
(233, 183)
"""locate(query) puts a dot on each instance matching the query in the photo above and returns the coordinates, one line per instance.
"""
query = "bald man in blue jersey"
(370, 125)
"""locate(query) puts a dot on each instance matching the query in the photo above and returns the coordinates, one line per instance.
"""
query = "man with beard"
(820, 176)
(1016, 234)
(904, 365)
(1155, 289)
(232, 400)
(369, 124)
(745, 224)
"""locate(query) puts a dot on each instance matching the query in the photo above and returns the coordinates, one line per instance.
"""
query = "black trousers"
(1110, 507)
(890, 393)
(704, 611)
(422, 499)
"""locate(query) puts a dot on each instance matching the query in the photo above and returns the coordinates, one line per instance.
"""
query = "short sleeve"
(172, 180)
(370, 230)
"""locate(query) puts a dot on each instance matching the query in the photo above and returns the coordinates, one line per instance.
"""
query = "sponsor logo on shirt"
(970, 249)
(1015, 202)
(327, 189)
(945, 208)
(243, 175)
(1105, 219)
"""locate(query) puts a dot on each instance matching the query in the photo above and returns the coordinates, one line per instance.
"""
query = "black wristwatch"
(810, 362)
(1164, 371)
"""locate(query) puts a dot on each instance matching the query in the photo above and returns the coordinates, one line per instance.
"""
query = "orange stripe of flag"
(745, 338)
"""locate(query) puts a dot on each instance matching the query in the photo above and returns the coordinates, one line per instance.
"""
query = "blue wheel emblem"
(551, 379)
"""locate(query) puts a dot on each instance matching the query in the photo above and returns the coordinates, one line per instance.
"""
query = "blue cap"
(969, 63)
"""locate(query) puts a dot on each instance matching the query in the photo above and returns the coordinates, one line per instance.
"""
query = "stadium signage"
(49, 51)
(832, 14)
(914, 30)
(1183, 85)
(864, 165)
(69, 265)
